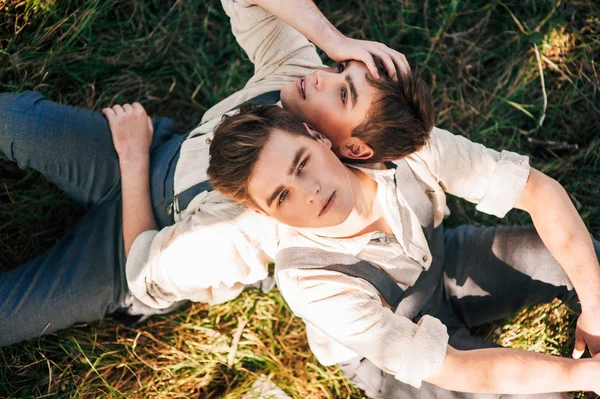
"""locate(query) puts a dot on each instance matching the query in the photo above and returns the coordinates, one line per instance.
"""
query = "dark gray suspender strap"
(182, 200)
(313, 258)
(270, 96)
(387, 287)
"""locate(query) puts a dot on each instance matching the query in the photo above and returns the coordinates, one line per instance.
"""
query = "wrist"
(589, 298)
(332, 40)
(584, 374)
(590, 309)
(134, 166)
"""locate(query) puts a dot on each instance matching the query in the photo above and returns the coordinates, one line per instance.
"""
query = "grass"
(178, 58)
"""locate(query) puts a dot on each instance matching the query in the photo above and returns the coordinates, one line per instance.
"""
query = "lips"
(301, 86)
(328, 204)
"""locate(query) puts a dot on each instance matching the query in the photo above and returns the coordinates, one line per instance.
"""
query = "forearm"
(513, 371)
(563, 232)
(306, 18)
(137, 207)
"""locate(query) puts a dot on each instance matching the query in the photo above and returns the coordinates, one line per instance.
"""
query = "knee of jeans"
(18, 102)
(16, 106)
(14, 109)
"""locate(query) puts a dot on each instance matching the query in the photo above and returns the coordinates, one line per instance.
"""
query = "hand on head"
(367, 51)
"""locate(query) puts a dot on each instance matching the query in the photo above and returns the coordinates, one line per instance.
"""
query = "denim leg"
(492, 272)
(80, 279)
(72, 147)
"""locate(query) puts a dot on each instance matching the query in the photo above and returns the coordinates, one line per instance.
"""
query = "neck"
(366, 215)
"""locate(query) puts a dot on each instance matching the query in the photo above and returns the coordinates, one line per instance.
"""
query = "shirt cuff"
(506, 184)
(427, 352)
(137, 270)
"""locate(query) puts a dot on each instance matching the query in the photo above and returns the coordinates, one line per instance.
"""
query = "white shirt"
(345, 316)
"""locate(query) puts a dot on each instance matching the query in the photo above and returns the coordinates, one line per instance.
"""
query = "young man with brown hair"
(154, 230)
(385, 291)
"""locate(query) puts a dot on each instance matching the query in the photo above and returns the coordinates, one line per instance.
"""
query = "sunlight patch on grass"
(558, 44)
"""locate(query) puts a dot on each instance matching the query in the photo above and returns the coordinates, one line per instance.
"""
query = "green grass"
(178, 58)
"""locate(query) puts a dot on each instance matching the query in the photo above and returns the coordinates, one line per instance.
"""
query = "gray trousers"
(489, 273)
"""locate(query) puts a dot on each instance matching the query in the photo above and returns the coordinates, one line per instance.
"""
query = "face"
(332, 100)
(300, 182)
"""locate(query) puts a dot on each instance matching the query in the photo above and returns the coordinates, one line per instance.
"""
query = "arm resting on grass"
(563, 232)
(500, 181)
(514, 371)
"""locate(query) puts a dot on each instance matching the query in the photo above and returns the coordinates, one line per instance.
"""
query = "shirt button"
(208, 141)
(425, 258)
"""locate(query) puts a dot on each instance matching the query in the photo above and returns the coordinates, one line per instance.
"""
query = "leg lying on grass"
(81, 278)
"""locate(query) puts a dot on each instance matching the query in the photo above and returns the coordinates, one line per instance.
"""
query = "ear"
(317, 135)
(355, 148)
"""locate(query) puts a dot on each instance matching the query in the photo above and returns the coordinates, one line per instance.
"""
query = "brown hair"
(399, 120)
(238, 142)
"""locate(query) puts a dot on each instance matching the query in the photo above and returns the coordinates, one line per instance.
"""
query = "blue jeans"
(82, 277)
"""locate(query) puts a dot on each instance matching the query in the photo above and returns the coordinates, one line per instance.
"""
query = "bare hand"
(587, 333)
(131, 130)
(346, 48)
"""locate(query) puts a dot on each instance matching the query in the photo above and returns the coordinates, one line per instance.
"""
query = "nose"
(310, 190)
(321, 78)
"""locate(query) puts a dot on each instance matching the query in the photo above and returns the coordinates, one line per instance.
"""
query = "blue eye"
(302, 165)
(343, 95)
(282, 197)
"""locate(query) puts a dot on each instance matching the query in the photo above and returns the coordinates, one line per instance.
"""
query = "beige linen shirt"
(215, 248)
(345, 316)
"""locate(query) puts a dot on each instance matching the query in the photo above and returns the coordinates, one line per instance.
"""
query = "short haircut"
(400, 118)
(238, 142)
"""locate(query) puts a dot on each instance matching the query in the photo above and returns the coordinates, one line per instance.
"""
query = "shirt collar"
(352, 246)
(376, 171)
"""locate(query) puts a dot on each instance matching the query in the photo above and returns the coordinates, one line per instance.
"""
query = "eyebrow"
(352, 90)
(291, 170)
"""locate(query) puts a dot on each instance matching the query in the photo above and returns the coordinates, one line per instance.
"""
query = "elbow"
(541, 193)
(446, 376)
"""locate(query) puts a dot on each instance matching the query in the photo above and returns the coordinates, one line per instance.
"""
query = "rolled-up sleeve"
(506, 184)
(270, 43)
(201, 258)
(350, 312)
(493, 180)
(427, 352)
